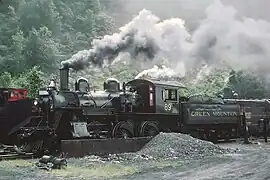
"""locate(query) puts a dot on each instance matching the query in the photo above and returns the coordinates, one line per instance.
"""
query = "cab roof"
(157, 83)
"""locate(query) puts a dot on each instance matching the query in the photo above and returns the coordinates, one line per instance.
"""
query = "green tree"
(18, 46)
(8, 28)
(249, 85)
(5, 80)
(41, 49)
(35, 14)
(211, 85)
(31, 80)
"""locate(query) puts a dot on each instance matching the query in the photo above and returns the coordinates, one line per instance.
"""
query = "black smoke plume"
(129, 40)
(223, 37)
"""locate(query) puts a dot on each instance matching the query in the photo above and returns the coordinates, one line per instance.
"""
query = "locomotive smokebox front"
(64, 75)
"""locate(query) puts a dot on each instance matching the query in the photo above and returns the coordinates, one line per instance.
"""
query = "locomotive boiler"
(142, 107)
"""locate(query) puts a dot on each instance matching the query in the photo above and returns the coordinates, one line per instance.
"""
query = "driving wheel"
(149, 128)
(122, 130)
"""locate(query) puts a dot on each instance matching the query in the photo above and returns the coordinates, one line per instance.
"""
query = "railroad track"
(228, 141)
(12, 152)
(13, 156)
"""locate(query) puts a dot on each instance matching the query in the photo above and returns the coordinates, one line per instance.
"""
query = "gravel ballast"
(176, 145)
(164, 150)
(172, 146)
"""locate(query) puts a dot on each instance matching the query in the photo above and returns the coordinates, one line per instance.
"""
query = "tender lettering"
(217, 113)
(213, 113)
(199, 113)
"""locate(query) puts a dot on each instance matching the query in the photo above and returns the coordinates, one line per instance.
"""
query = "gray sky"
(192, 11)
(215, 35)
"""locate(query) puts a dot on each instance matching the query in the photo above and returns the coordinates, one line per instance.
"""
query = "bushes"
(31, 80)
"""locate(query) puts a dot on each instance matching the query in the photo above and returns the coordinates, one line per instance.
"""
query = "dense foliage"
(43, 33)
(35, 35)
(230, 84)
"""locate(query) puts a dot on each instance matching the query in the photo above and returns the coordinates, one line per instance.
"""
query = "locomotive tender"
(256, 110)
(143, 107)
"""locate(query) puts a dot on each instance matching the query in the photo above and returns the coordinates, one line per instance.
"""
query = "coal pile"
(178, 146)
(163, 151)
(166, 146)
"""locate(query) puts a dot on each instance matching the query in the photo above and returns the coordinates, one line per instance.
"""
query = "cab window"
(169, 94)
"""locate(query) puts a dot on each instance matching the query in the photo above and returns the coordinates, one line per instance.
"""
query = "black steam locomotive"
(143, 107)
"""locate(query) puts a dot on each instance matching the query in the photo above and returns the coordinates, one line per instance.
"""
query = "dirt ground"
(250, 162)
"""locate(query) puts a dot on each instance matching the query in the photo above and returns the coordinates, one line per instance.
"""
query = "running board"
(84, 147)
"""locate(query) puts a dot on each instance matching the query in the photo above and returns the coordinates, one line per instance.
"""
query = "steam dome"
(111, 85)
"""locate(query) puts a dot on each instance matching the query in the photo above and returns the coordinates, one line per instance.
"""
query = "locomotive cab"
(157, 96)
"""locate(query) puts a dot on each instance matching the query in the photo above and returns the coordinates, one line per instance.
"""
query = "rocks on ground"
(169, 146)
(176, 145)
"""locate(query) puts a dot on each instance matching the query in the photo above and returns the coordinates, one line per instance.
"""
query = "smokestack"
(64, 75)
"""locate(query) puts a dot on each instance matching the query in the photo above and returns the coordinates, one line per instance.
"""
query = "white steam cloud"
(240, 42)
(160, 72)
(144, 35)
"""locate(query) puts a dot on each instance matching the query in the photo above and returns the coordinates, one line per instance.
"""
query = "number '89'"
(167, 107)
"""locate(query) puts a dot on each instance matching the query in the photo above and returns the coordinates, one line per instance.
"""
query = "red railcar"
(12, 94)
(15, 107)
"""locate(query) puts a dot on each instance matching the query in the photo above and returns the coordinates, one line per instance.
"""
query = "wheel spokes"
(123, 133)
(149, 130)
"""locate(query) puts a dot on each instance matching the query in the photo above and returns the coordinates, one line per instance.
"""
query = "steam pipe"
(64, 78)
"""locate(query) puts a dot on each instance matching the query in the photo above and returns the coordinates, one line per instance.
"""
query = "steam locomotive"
(143, 107)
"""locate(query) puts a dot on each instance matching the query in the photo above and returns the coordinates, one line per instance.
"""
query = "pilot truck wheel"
(149, 128)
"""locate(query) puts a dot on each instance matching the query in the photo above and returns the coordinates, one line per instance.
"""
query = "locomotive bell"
(235, 94)
(52, 84)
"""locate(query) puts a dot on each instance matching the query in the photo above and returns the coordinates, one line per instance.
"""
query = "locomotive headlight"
(36, 102)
